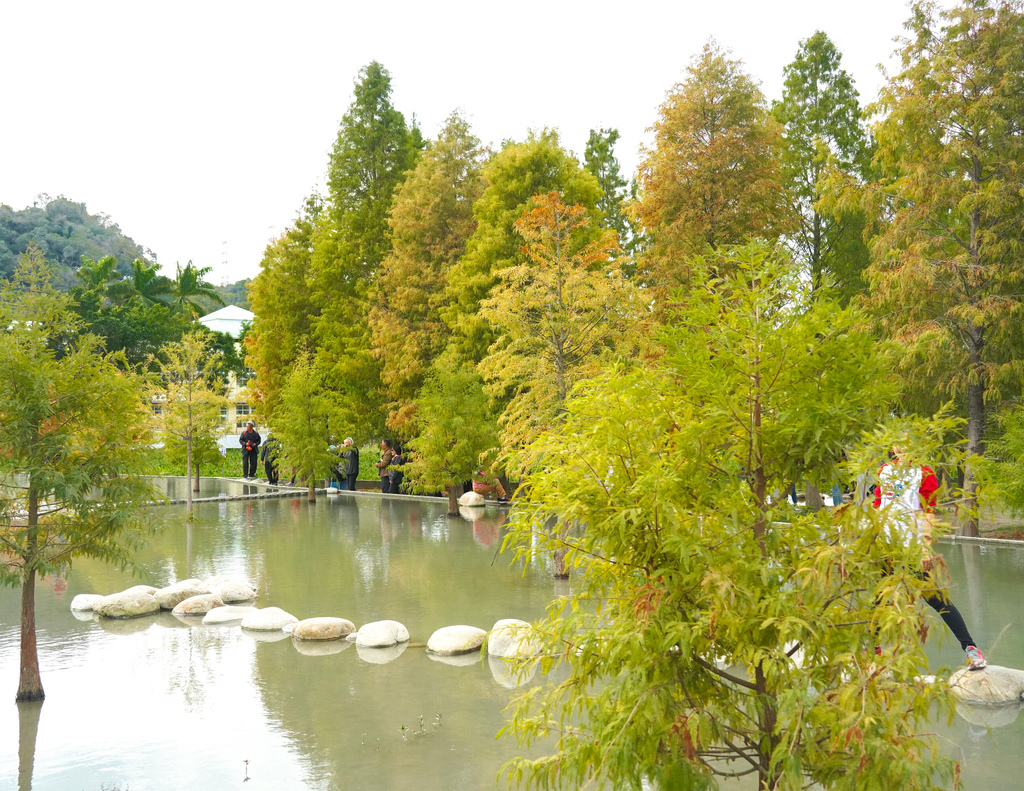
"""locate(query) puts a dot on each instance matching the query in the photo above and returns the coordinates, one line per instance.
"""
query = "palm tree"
(189, 289)
(99, 277)
(145, 285)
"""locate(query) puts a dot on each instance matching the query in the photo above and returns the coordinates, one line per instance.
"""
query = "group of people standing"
(389, 468)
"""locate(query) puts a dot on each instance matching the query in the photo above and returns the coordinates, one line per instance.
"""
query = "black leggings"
(940, 602)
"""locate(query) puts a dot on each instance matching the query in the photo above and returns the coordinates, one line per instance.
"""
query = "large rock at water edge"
(126, 605)
(472, 500)
(452, 640)
(322, 629)
(993, 686)
(227, 614)
(85, 601)
(268, 619)
(173, 595)
(381, 634)
(510, 638)
(198, 605)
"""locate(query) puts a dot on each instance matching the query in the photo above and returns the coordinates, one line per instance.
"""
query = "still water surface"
(151, 703)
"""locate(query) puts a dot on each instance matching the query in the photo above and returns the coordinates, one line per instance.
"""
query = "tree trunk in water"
(311, 493)
(28, 727)
(975, 437)
(196, 487)
(812, 498)
(188, 476)
(454, 493)
(30, 685)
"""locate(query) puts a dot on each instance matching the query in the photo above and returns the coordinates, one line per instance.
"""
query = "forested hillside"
(65, 232)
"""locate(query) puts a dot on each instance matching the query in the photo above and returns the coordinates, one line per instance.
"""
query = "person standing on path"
(908, 492)
(387, 454)
(350, 458)
(250, 442)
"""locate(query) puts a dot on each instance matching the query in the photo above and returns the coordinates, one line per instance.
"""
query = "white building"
(230, 320)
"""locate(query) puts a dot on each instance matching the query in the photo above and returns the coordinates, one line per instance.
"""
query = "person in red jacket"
(909, 493)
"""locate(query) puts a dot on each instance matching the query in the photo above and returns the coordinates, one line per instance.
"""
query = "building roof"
(228, 319)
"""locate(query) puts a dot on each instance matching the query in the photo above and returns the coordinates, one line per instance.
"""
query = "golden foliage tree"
(559, 311)
(430, 223)
(713, 176)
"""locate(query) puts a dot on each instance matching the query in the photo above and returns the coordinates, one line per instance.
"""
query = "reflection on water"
(176, 487)
(159, 703)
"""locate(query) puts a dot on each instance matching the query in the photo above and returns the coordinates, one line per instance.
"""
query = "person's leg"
(352, 482)
(385, 484)
(939, 601)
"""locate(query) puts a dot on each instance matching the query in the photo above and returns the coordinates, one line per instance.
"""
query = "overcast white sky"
(199, 127)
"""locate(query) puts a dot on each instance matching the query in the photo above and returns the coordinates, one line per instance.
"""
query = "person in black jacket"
(250, 442)
(350, 464)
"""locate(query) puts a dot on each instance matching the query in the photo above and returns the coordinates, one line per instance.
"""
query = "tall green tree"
(947, 274)
(431, 221)
(713, 177)
(513, 176)
(306, 421)
(74, 436)
(282, 301)
(709, 638)
(599, 158)
(452, 430)
(821, 116)
(373, 151)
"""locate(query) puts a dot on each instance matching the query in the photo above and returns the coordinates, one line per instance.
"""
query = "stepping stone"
(128, 604)
(452, 640)
(198, 605)
(381, 634)
(511, 638)
(85, 601)
(227, 614)
(322, 629)
(268, 619)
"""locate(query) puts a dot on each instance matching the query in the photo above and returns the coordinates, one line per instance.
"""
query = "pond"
(153, 704)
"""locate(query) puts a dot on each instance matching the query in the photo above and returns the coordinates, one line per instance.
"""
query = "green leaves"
(704, 635)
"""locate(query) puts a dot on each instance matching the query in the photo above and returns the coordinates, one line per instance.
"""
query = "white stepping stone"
(992, 686)
(511, 638)
(452, 640)
(381, 634)
(227, 614)
(85, 601)
(127, 604)
(268, 619)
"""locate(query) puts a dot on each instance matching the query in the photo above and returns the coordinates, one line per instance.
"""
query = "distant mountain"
(65, 232)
